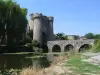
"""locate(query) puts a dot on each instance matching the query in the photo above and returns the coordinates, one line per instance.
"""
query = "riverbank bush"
(34, 46)
(96, 46)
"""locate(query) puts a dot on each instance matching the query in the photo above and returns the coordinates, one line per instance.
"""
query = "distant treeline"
(62, 36)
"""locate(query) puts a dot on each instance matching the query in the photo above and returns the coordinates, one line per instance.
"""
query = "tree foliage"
(61, 36)
(96, 47)
(97, 36)
(89, 36)
(92, 36)
(35, 46)
(13, 21)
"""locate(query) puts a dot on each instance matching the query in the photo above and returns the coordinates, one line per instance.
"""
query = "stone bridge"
(66, 45)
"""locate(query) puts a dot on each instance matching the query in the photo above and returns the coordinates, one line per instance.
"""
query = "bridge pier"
(62, 49)
(76, 50)
(49, 50)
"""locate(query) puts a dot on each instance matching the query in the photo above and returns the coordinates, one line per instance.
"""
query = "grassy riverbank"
(80, 67)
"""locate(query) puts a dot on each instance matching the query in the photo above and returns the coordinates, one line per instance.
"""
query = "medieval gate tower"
(42, 27)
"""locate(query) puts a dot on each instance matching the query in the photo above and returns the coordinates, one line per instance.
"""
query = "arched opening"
(56, 48)
(68, 47)
(45, 49)
(85, 47)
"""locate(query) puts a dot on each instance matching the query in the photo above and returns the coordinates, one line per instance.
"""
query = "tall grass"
(44, 71)
(96, 46)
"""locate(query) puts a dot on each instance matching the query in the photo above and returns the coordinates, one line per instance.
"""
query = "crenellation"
(31, 16)
(37, 15)
(51, 18)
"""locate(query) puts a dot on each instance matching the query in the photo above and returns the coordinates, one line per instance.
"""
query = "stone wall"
(75, 43)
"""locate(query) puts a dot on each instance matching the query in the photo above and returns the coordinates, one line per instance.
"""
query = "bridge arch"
(68, 47)
(56, 48)
(85, 47)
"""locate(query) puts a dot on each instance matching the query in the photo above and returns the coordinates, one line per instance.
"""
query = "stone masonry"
(42, 27)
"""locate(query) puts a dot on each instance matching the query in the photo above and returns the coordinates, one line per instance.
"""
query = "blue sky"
(72, 17)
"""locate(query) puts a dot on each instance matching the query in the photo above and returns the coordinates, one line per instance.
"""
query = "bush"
(37, 49)
(96, 47)
(35, 43)
(35, 46)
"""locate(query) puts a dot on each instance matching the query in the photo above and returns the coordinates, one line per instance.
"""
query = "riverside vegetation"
(63, 64)
(13, 24)
(67, 63)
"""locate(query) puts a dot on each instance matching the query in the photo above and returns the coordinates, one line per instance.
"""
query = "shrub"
(96, 47)
(35, 43)
(37, 49)
(35, 46)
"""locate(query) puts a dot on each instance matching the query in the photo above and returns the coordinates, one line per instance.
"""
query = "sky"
(72, 17)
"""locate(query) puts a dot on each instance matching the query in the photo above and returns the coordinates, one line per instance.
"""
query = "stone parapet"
(37, 15)
(51, 18)
(31, 16)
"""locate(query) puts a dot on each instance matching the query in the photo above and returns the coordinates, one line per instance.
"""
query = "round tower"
(31, 24)
(50, 29)
(37, 30)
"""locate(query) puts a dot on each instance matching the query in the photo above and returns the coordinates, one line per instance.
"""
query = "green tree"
(13, 21)
(61, 36)
(3, 9)
(65, 37)
(97, 36)
(89, 36)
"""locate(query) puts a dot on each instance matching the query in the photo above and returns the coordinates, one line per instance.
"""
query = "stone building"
(73, 37)
(42, 27)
